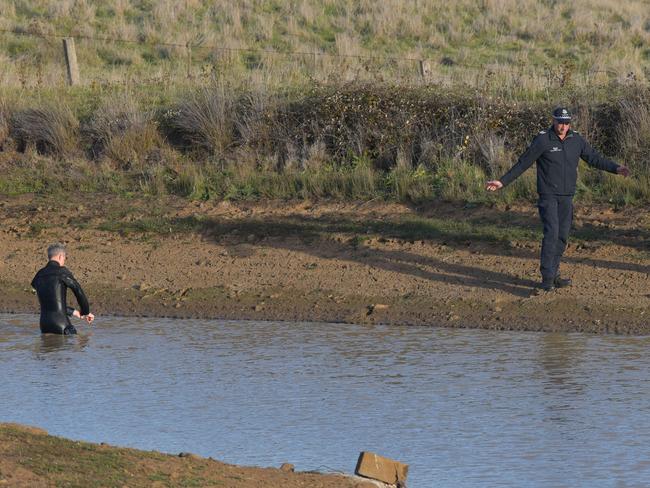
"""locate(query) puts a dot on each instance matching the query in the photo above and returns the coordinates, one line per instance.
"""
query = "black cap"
(562, 114)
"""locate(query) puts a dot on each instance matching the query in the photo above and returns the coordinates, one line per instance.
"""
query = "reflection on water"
(462, 407)
(54, 342)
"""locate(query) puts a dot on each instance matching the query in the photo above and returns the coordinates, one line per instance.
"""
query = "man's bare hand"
(77, 314)
(494, 185)
(623, 171)
(88, 318)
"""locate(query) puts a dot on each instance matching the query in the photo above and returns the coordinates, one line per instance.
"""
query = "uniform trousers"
(556, 212)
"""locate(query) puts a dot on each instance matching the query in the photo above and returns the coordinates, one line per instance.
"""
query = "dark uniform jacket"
(51, 284)
(557, 162)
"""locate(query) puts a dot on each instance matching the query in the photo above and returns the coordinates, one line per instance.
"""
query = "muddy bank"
(445, 265)
(29, 457)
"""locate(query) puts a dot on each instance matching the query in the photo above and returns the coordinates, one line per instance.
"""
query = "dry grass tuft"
(634, 130)
(203, 121)
(50, 130)
(120, 131)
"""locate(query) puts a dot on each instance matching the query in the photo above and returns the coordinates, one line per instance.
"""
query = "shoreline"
(526, 317)
(28, 455)
(368, 263)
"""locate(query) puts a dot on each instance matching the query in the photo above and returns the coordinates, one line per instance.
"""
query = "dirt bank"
(443, 265)
(31, 458)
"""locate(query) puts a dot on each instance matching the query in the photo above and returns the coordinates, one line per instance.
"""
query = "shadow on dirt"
(342, 237)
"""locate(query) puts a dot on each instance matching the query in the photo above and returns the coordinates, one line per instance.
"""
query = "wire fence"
(36, 59)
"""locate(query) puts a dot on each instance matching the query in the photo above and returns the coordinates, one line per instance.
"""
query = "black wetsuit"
(51, 284)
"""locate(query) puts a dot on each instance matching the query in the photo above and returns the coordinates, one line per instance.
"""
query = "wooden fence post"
(71, 60)
(425, 68)
(188, 46)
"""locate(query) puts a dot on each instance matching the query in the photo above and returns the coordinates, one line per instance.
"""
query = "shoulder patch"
(542, 132)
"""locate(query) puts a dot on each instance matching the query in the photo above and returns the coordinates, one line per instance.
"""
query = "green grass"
(412, 186)
(475, 35)
(73, 463)
(54, 461)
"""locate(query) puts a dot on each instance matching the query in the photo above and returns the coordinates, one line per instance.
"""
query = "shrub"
(382, 121)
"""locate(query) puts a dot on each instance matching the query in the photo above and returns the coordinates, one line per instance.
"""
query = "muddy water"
(464, 408)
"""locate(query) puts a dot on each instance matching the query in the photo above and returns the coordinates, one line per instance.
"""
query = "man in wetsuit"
(557, 152)
(51, 284)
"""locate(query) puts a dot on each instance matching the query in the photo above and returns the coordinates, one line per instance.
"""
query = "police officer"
(557, 152)
(51, 284)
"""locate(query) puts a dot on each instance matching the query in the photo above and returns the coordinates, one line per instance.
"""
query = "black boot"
(548, 286)
(561, 282)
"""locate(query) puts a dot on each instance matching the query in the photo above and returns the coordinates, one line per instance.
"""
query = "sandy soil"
(360, 263)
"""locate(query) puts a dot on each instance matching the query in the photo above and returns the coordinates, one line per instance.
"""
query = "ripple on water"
(462, 407)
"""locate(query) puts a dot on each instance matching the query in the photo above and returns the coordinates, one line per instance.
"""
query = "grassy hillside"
(526, 43)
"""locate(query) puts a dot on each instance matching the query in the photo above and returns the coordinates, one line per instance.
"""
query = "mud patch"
(442, 266)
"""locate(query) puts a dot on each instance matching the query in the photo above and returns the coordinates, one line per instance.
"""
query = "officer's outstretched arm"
(590, 156)
(525, 161)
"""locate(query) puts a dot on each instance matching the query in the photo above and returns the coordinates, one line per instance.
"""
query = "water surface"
(463, 408)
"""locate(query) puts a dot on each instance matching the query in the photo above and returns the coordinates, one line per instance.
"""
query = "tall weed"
(634, 131)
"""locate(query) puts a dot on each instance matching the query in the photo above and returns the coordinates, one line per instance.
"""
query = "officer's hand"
(88, 318)
(623, 171)
(77, 314)
(494, 185)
